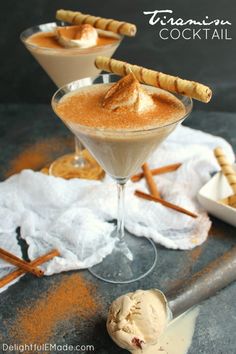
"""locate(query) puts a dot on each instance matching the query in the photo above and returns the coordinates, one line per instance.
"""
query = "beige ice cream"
(136, 320)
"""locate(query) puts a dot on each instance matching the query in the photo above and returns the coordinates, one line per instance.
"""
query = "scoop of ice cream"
(82, 36)
(128, 94)
(136, 320)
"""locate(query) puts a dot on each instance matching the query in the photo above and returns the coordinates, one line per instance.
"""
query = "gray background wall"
(211, 61)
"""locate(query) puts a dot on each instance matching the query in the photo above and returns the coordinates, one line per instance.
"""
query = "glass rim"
(118, 131)
(74, 50)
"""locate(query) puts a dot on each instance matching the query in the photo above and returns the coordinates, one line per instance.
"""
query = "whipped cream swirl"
(82, 36)
(128, 94)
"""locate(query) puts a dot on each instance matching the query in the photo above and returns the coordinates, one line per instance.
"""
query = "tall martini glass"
(120, 152)
(64, 66)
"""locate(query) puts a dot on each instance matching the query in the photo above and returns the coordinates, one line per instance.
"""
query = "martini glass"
(120, 152)
(63, 66)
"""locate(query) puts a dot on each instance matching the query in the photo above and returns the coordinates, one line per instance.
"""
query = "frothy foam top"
(85, 107)
(50, 40)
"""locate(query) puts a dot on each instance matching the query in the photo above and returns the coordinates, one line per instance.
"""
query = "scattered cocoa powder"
(190, 259)
(41, 153)
(73, 297)
(221, 231)
(195, 254)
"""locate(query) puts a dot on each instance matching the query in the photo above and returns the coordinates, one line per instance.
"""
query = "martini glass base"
(67, 167)
(119, 268)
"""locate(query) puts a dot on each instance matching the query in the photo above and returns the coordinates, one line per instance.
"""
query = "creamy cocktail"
(63, 55)
(118, 123)
(67, 53)
(121, 122)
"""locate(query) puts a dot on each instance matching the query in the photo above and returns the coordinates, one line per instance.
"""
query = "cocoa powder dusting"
(221, 231)
(195, 254)
(72, 298)
(86, 108)
(37, 155)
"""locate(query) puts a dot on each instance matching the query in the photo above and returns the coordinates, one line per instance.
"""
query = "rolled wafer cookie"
(231, 200)
(155, 78)
(106, 24)
(226, 168)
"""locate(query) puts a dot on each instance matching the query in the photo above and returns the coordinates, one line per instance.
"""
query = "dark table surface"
(34, 128)
(212, 62)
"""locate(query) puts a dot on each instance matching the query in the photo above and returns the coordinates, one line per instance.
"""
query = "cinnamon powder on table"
(73, 297)
(39, 154)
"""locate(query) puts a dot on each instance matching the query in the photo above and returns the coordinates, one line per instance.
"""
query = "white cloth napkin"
(74, 216)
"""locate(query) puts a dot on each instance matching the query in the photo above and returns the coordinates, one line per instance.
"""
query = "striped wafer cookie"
(106, 24)
(155, 78)
(226, 168)
(231, 200)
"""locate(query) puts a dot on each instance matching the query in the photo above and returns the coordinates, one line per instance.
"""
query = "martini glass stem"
(121, 212)
(120, 229)
(79, 160)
